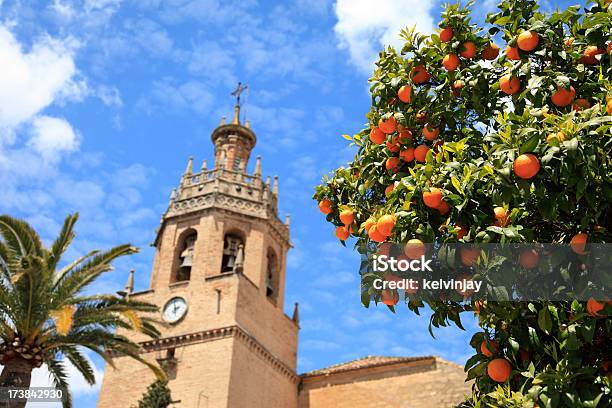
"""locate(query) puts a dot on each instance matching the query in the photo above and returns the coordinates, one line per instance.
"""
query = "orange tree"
(467, 142)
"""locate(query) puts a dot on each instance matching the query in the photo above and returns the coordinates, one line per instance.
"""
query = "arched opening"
(272, 276)
(233, 252)
(185, 254)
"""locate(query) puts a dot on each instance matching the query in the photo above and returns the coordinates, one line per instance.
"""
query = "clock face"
(174, 310)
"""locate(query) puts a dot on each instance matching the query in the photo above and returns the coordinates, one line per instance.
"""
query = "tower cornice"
(237, 129)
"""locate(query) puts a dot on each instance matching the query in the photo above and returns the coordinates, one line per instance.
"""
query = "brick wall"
(426, 384)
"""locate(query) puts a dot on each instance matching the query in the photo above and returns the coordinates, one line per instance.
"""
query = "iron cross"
(239, 89)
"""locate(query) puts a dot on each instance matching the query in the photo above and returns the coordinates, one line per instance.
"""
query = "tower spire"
(275, 186)
(189, 168)
(129, 286)
(257, 172)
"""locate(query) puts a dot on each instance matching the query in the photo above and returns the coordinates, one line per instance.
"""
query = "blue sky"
(103, 101)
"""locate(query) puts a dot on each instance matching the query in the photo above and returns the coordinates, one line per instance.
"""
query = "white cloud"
(63, 10)
(52, 136)
(30, 81)
(364, 26)
(189, 95)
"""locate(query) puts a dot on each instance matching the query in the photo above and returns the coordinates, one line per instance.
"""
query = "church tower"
(219, 278)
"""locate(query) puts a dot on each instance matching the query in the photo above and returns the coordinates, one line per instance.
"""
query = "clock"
(174, 310)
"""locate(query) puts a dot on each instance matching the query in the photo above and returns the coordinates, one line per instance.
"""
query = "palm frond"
(82, 276)
(63, 240)
(57, 371)
(20, 238)
(80, 362)
(134, 319)
(59, 276)
(47, 309)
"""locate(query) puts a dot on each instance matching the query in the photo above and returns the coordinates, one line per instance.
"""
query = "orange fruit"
(568, 41)
(385, 224)
(390, 297)
(404, 93)
(389, 189)
(578, 243)
(563, 97)
(457, 87)
(443, 208)
(499, 370)
(393, 145)
(581, 104)
(405, 136)
(512, 53)
(609, 48)
(389, 125)
(589, 54)
(392, 164)
(420, 74)
(375, 235)
(433, 197)
(325, 206)
(526, 166)
(593, 307)
(469, 256)
(509, 84)
(500, 213)
(420, 153)
(487, 345)
(468, 50)
(430, 133)
(528, 40)
(376, 135)
(609, 107)
(421, 116)
(446, 34)
(490, 52)
(414, 249)
(529, 259)
(407, 155)
(559, 137)
(342, 233)
(368, 223)
(347, 216)
(462, 231)
(451, 62)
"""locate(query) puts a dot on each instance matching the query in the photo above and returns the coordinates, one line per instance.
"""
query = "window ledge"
(179, 284)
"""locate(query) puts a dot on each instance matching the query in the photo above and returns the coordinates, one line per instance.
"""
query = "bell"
(187, 261)
(230, 261)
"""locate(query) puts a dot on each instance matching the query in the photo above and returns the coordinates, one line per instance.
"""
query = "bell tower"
(218, 277)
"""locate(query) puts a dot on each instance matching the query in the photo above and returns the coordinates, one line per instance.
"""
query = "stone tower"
(218, 278)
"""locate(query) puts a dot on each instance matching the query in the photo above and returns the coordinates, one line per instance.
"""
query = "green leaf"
(544, 320)
(530, 145)
(457, 184)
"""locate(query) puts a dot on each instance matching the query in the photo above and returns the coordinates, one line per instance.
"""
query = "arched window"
(185, 256)
(272, 276)
(233, 250)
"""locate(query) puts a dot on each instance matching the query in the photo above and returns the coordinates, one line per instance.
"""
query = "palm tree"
(45, 318)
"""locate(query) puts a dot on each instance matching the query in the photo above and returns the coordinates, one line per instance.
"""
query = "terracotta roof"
(365, 362)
